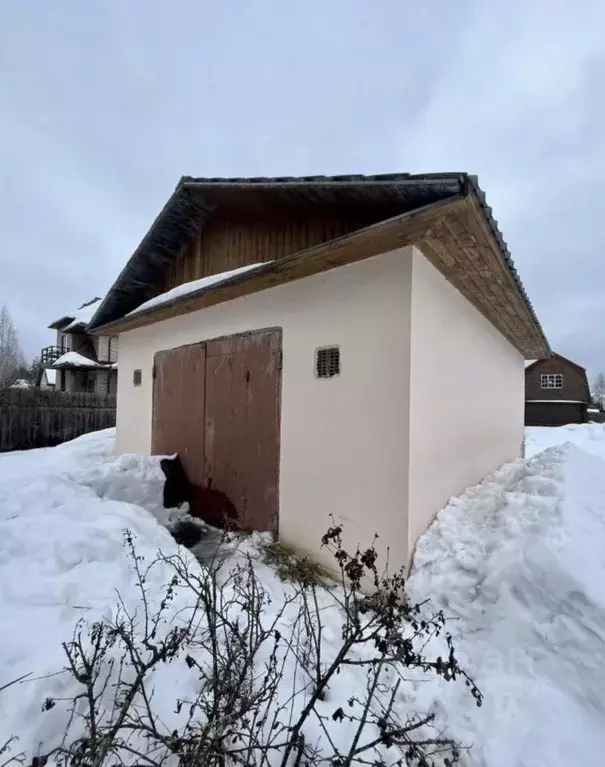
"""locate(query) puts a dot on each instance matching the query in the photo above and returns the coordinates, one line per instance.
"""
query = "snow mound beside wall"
(518, 563)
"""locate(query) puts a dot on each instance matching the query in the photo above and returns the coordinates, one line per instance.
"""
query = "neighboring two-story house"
(80, 362)
(556, 392)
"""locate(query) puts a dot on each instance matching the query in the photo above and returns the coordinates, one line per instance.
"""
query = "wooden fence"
(32, 418)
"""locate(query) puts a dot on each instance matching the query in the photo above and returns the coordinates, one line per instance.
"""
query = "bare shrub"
(264, 675)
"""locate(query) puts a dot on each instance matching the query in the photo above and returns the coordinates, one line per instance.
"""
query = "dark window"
(137, 377)
(327, 362)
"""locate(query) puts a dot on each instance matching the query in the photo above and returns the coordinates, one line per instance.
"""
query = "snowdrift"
(516, 563)
(63, 511)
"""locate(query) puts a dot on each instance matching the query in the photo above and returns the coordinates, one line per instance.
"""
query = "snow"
(505, 561)
(516, 563)
(589, 437)
(21, 383)
(51, 376)
(194, 286)
(62, 513)
(83, 315)
(76, 359)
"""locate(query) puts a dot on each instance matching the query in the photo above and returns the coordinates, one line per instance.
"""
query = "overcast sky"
(104, 104)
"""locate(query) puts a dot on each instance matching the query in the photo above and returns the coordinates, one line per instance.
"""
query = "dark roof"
(68, 319)
(558, 356)
(188, 208)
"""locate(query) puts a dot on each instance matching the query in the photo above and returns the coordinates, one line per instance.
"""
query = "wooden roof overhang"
(454, 233)
(60, 323)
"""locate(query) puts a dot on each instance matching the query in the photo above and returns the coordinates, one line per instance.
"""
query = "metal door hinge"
(279, 360)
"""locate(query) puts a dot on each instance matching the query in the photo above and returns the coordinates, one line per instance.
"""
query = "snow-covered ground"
(589, 437)
(516, 562)
(519, 562)
(62, 515)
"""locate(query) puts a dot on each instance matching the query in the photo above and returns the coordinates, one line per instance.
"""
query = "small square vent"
(137, 377)
(327, 362)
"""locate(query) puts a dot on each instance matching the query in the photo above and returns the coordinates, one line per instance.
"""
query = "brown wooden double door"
(217, 404)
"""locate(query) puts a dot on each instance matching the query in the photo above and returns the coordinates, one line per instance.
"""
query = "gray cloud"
(105, 104)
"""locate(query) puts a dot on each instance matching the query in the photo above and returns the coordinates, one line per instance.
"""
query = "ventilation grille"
(327, 362)
(137, 377)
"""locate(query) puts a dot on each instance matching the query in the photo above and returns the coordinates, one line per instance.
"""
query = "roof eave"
(94, 322)
(486, 210)
(61, 323)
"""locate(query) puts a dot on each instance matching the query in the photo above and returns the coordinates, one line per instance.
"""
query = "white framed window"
(551, 380)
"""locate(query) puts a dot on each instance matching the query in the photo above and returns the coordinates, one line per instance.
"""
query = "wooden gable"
(233, 238)
(574, 386)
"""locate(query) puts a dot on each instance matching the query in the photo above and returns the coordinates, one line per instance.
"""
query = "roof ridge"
(87, 303)
(340, 179)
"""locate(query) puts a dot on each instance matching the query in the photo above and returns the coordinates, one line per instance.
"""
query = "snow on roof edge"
(193, 287)
(76, 359)
(81, 316)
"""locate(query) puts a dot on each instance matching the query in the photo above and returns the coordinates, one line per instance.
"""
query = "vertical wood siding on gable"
(230, 240)
(575, 385)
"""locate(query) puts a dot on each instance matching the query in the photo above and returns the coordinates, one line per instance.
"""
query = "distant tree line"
(598, 390)
(13, 365)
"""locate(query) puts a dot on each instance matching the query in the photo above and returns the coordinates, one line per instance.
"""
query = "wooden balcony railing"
(51, 354)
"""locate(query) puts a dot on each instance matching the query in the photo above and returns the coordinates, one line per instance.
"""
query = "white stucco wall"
(466, 396)
(344, 444)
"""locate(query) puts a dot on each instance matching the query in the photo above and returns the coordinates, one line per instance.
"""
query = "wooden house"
(83, 362)
(556, 392)
(324, 346)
